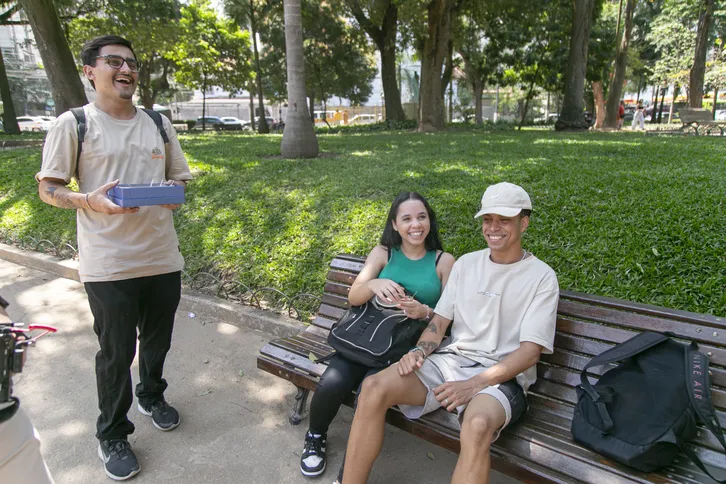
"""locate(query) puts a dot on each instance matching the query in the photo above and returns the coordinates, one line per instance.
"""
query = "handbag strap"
(699, 391)
(623, 351)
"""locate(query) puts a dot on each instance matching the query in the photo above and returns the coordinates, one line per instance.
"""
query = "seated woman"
(410, 257)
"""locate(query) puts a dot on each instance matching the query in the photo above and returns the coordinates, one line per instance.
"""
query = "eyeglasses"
(116, 61)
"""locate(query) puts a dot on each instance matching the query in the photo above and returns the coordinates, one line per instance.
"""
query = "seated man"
(503, 301)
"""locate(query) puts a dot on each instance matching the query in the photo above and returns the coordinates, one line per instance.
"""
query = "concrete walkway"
(234, 417)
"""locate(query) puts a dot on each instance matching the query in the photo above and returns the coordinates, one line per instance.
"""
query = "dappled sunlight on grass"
(615, 214)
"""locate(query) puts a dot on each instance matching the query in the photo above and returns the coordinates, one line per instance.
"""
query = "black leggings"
(339, 380)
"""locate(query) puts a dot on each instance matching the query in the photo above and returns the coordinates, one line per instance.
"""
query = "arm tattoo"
(432, 327)
(427, 346)
(60, 200)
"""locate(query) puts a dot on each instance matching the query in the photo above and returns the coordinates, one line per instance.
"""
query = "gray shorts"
(439, 368)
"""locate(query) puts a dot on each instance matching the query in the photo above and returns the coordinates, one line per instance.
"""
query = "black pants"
(340, 378)
(118, 308)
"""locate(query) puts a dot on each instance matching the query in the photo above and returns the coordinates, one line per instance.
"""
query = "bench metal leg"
(301, 399)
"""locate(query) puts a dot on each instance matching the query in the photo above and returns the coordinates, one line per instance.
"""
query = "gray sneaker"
(164, 416)
(118, 459)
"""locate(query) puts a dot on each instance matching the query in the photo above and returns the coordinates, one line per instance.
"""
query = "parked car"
(363, 119)
(232, 123)
(32, 123)
(209, 122)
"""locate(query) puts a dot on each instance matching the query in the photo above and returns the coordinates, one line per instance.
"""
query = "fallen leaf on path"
(205, 392)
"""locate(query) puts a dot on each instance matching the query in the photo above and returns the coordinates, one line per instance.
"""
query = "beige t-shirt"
(495, 307)
(117, 247)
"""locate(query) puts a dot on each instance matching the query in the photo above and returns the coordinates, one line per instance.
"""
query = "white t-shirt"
(117, 247)
(495, 307)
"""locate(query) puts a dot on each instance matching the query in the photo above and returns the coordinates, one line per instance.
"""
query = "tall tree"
(434, 52)
(380, 22)
(572, 116)
(698, 71)
(10, 122)
(211, 52)
(65, 82)
(621, 59)
(247, 13)
(298, 139)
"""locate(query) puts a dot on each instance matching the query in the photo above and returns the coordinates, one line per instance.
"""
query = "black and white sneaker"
(312, 461)
(164, 416)
(118, 459)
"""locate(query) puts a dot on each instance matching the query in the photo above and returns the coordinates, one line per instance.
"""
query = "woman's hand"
(386, 289)
(414, 309)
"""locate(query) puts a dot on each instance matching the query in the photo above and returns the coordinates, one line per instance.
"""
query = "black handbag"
(375, 334)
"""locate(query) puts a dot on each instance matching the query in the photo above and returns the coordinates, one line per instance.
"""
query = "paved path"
(234, 417)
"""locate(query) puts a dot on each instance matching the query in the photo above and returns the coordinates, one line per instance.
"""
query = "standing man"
(130, 261)
(503, 301)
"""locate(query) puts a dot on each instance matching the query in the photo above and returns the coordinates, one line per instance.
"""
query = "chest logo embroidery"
(490, 294)
(156, 154)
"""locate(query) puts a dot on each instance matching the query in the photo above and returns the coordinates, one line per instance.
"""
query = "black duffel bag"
(376, 334)
(642, 412)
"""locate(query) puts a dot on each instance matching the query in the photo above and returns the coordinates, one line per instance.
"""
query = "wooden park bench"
(539, 448)
(700, 119)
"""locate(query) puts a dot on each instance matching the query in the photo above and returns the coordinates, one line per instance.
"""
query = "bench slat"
(333, 300)
(648, 309)
(697, 332)
(337, 288)
(346, 265)
(325, 324)
(346, 278)
(330, 312)
(293, 359)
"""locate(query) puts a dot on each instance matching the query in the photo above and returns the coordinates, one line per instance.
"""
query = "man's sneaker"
(118, 459)
(164, 416)
(312, 462)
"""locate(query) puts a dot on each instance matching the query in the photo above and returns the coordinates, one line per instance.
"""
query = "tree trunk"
(385, 39)
(65, 83)
(715, 102)
(530, 95)
(10, 122)
(312, 108)
(621, 58)
(448, 68)
(478, 90)
(662, 99)
(451, 102)
(673, 102)
(698, 71)
(433, 55)
(654, 100)
(264, 128)
(253, 123)
(145, 70)
(298, 139)
(204, 102)
(599, 104)
(572, 116)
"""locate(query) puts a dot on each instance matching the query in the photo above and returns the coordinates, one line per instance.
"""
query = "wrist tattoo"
(427, 346)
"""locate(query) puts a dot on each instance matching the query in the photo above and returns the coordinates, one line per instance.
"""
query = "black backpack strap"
(699, 391)
(623, 351)
(159, 123)
(80, 116)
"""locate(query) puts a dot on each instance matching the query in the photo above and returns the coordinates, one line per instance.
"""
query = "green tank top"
(417, 276)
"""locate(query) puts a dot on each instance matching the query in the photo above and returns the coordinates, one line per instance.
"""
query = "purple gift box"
(143, 195)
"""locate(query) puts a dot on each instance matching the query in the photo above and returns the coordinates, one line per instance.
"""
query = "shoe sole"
(112, 476)
(315, 473)
(148, 414)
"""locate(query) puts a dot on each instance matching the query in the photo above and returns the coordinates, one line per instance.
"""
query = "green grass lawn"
(622, 215)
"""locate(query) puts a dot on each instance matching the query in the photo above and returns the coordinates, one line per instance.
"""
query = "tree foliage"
(210, 52)
(152, 27)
